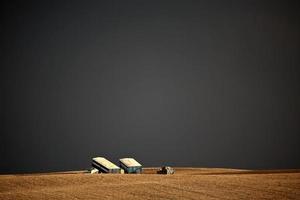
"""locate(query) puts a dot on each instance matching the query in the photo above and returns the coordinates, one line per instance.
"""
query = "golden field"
(186, 183)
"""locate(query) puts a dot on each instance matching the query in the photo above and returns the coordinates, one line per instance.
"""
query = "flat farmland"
(186, 183)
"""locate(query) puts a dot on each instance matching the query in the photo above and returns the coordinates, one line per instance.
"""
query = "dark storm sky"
(180, 83)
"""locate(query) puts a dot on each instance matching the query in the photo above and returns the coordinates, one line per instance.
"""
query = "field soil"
(186, 183)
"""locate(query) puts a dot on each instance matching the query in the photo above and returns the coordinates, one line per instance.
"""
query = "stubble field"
(187, 183)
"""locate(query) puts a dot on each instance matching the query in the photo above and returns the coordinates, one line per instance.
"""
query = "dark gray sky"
(180, 83)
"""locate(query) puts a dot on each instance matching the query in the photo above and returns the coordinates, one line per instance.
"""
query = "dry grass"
(187, 183)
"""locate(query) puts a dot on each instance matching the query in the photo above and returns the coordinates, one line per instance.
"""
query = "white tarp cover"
(130, 162)
(106, 163)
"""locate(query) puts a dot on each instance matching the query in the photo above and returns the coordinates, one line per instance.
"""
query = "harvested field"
(187, 183)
